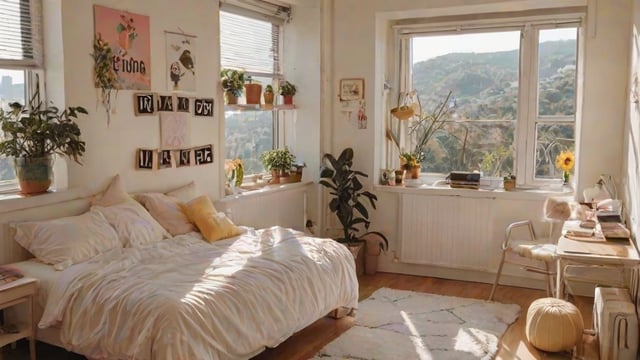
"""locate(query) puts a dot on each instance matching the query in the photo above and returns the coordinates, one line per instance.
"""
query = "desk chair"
(529, 253)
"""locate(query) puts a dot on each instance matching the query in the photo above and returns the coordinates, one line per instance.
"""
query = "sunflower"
(565, 160)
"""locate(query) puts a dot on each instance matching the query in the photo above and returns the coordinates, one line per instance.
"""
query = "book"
(9, 274)
(611, 230)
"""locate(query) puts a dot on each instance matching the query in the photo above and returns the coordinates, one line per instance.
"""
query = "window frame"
(280, 126)
(527, 118)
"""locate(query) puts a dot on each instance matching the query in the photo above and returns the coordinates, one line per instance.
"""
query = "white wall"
(111, 149)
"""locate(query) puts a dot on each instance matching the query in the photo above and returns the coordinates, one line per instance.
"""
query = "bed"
(184, 297)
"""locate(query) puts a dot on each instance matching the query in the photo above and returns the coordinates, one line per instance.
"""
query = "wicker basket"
(402, 112)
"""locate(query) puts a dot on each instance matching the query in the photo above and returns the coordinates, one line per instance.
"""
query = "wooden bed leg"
(341, 312)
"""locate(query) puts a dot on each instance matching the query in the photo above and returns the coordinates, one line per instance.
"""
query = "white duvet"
(184, 298)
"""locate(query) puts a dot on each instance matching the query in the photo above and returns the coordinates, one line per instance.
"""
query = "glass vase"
(565, 177)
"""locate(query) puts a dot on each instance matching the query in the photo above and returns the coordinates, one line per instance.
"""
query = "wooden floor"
(310, 340)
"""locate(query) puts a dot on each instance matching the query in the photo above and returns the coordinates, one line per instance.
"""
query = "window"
(513, 102)
(20, 56)
(251, 41)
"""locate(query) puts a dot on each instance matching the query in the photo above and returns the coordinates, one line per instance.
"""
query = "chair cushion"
(533, 250)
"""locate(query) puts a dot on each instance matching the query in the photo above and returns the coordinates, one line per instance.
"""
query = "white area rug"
(404, 325)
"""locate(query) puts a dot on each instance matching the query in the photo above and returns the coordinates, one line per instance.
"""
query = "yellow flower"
(565, 160)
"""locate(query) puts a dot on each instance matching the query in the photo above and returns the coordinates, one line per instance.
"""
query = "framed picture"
(145, 159)
(351, 89)
(144, 104)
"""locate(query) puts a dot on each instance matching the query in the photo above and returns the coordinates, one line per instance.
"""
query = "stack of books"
(615, 231)
(8, 274)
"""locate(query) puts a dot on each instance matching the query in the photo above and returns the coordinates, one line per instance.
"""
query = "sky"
(428, 47)
(17, 75)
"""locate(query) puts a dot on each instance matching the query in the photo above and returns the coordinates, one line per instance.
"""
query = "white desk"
(592, 251)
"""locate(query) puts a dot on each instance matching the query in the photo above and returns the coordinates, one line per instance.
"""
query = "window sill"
(444, 190)
(257, 107)
(267, 189)
(16, 201)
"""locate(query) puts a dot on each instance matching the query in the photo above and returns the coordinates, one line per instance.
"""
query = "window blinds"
(248, 43)
(20, 33)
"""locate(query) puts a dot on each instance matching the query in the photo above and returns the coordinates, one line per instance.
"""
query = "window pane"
(247, 135)
(11, 90)
(472, 145)
(557, 72)
(481, 69)
(551, 139)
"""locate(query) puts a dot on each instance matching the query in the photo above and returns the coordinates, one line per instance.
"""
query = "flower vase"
(565, 177)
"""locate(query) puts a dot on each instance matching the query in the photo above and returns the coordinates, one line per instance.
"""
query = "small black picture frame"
(145, 159)
(203, 155)
(203, 107)
(184, 157)
(144, 104)
(165, 159)
(165, 103)
(183, 104)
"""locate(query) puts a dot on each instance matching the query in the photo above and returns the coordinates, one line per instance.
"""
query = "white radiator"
(447, 231)
(286, 207)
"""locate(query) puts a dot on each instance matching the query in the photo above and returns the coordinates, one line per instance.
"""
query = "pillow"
(69, 240)
(184, 193)
(213, 225)
(114, 194)
(133, 224)
(167, 212)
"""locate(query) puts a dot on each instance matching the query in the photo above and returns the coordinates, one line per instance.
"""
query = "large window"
(20, 56)
(251, 41)
(512, 108)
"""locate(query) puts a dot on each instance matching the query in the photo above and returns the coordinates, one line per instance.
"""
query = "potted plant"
(509, 182)
(278, 162)
(348, 198)
(268, 95)
(253, 90)
(376, 243)
(33, 134)
(409, 162)
(233, 84)
(288, 90)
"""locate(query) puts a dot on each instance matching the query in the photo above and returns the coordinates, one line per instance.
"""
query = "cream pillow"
(69, 240)
(184, 193)
(213, 225)
(133, 224)
(166, 210)
(113, 194)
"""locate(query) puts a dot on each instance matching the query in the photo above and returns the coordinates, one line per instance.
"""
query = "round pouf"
(554, 325)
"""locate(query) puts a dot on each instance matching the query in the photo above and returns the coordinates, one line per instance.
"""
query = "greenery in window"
(232, 81)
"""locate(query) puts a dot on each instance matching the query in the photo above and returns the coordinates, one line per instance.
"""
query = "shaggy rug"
(403, 325)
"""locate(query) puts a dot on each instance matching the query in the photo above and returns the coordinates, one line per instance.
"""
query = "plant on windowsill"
(253, 90)
(348, 197)
(233, 84)
(279, 162)
(268, 95)
(33, 134)
(409, 162)
(509, 182)
(288, 90)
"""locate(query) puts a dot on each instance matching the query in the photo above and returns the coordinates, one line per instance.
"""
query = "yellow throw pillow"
(213, 225)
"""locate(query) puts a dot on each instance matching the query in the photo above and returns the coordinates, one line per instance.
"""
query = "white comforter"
(184, 298)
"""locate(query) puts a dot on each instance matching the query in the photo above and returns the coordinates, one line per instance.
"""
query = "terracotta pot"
(253, 92)
(358, 255)
(371, 264)
(288, 99)
(35, 175)
(268, 98)
(230, 99)
(414, 172)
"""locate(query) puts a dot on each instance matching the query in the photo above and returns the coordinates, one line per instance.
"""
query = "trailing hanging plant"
(105, 78)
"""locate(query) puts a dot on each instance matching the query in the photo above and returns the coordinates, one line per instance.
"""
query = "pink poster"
(127, 35)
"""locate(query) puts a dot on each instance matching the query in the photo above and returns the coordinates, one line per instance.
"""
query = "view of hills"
(485, 87)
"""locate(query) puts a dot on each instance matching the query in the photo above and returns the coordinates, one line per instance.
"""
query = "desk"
(592, 251)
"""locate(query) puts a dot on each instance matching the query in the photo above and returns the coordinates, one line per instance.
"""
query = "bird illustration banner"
(127, 35)
(181, 61)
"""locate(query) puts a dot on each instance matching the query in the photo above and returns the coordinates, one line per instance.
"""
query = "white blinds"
(250, 44)
(20, 33)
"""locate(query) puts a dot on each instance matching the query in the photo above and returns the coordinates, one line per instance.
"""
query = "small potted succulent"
(288, 90)
(233, 84)
(509, 182)
(268, 95)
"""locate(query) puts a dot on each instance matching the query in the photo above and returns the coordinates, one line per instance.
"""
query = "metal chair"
(530, 254)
